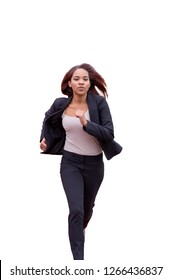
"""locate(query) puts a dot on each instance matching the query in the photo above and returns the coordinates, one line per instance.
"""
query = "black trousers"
(81, 178)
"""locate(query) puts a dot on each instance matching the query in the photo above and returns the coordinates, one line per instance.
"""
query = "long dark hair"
(96, 80)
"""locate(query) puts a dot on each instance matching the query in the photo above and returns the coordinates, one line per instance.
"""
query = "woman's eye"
(77, 79)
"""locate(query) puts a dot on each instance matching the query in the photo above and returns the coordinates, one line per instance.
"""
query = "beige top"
(77, 140)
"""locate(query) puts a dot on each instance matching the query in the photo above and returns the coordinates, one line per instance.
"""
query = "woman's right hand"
(43, 145)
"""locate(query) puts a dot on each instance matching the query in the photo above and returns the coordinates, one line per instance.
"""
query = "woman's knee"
(76, 214)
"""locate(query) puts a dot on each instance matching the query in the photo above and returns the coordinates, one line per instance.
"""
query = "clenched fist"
(80, 114)
(43, 145)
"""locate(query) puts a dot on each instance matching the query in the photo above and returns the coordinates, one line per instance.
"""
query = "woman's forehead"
(80, 72)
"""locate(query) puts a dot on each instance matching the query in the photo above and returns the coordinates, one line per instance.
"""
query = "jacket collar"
(92, 106)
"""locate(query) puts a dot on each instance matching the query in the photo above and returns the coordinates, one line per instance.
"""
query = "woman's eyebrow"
(76, 76)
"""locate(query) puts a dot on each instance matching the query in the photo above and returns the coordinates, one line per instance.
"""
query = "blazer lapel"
(93, 108)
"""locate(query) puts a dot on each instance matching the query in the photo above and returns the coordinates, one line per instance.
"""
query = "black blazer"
(100, 125)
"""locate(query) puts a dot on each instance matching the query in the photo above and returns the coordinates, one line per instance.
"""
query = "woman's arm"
(104, 130)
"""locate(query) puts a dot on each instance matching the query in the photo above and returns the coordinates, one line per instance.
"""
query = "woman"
(80, 128)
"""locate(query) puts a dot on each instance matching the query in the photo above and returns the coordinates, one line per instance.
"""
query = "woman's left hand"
(80, 114)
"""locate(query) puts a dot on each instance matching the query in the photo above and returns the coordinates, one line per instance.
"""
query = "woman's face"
(80, 82)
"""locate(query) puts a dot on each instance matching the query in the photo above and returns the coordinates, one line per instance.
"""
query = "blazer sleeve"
(48, 114)
(104, 130)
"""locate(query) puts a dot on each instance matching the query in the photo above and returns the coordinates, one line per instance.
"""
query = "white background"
(129, 43)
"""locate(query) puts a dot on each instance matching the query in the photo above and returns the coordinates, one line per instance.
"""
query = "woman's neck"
(79, 99)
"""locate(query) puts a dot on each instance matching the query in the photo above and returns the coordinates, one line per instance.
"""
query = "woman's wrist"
(84, 123)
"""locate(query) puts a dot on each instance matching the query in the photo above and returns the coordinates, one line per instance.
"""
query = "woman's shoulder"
(61, 101)
(96, 97)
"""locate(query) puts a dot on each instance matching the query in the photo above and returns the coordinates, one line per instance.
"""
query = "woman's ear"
(69, 84)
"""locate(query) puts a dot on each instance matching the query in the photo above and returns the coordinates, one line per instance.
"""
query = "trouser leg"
(73, 184)
(93, 177)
